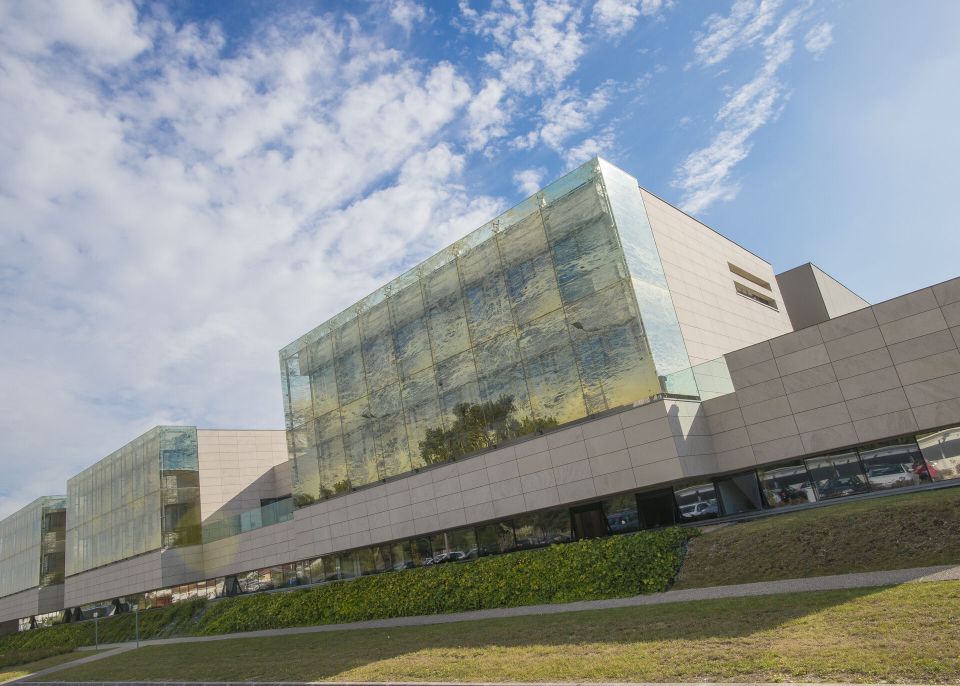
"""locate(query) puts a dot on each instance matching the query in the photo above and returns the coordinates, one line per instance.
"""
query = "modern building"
(32, 563)
(593, 361)
(138, 519)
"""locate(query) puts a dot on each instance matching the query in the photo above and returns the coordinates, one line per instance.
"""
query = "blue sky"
(185, 187)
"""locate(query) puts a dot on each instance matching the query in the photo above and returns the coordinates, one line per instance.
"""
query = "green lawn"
(907, 633)
(8, 673)
(895, 532)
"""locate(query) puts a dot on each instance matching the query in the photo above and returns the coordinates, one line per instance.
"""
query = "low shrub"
(174, 620)
(612, 567)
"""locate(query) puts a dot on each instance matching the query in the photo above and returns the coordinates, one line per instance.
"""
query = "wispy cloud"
(705, 176)
(615, 18)
(745, 25)
(535, 49)
(565, 114)
(818, 39)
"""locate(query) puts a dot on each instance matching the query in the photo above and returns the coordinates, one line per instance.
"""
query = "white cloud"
(529, 181)
(745, 25)
(568, 112)
(564, 114)
(406, 13)
(535, 49)
(102, 33)
(487, 114)
(818, 39)
(705, 175)
(162, 238)
(615, 18)
(588, 148)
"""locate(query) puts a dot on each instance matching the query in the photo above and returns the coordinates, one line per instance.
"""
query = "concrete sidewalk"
(446, 683)
(817, 583)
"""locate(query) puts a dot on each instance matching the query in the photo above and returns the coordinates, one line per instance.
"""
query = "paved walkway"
(817, 583)
(443, 683)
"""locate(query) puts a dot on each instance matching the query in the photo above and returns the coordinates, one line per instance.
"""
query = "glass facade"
(31, 546)
(280, 510)
(941, 452)
(929, 457)
(529, 322)
(648, 282)
(143, 497)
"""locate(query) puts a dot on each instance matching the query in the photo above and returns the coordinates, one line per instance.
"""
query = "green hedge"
(175, 620)
(612, 567)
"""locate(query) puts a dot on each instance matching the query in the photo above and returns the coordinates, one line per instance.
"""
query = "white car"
(892, 476)
(700, 509)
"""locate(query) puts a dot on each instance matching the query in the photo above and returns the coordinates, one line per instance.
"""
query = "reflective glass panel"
(494, 539)
(542, 528)
(837, 475)
(528, 265)
(422, 412)
(330, 453)
(739, 493)
(555, 391)
(941, 452)
(348, 362)
(586, 251)
(657, 508)
(621, 514)
(786, 485)
(893, 465)
(323, 377)
(379, 356)
(485, 292)
(697, 502)
(304, 463)
(410, 330)
(454, 546)
(446, 317)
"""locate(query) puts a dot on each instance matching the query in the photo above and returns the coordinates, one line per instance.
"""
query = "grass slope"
(15, 672)
(907, 633)
(895, 532)
(613, 567)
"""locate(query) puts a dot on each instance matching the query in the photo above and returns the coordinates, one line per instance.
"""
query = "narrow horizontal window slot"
(748, 292)
(744, 274)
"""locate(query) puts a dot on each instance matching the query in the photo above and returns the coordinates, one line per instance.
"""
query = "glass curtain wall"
(529, 322)
(142, 497)
(649, 283)
(27, 537)
(53, 533)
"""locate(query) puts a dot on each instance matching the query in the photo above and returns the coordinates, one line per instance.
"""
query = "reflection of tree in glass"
(338, 487)
(478, 426)
(304, 499)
